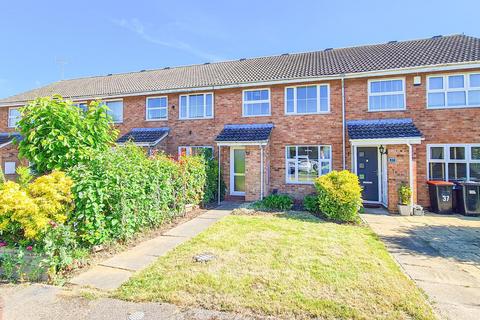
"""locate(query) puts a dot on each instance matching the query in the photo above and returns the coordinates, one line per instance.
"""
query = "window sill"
(154, 120)
(307, 114)
(388, 110)
(209, 118)
(258, 115)
(299, 183)
(446, 108)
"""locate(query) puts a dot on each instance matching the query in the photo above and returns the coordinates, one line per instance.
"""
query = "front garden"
(81, 193)
(288, 265)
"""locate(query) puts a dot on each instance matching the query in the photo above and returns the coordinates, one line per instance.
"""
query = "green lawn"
(288, 266)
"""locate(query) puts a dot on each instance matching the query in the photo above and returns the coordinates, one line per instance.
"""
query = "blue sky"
(102, 37)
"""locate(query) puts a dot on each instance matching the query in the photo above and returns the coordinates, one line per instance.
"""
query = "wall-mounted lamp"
(173, 106)
(382, 150)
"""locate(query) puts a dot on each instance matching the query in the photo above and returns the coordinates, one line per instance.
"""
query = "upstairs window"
(454, 162)
(453, 91)
(115, 110)
(157, 108)
(196, 106)
(256, 103)
(386, 95)
(13, 117)
(307, 99)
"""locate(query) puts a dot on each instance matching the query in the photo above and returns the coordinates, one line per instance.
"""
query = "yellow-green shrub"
(339, 195)
(25, 212)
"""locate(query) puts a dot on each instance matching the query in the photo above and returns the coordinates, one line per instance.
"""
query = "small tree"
(58, 135)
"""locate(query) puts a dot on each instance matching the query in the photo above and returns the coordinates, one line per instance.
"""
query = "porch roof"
(248, 133)
(7, 137)
(145, 136)
(382, 129)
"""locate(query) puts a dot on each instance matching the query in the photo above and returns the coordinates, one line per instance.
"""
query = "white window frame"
(445, 90)
(10, 163)
(77, 104)
(287, 160)
(446, 155)
(10, 118)
(188, 149)
(370, 94)
(123, 107)
(156, 108)
(188, 106)
(318, 99)
(245, 103)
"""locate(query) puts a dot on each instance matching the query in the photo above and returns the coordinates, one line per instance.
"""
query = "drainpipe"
(343, 123)
(219, 176)
(261, 172)
(410, 168)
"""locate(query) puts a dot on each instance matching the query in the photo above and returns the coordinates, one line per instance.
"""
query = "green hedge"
(122, 191)
(339, 196)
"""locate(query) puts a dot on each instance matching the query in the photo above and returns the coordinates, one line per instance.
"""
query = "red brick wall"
(438, 126)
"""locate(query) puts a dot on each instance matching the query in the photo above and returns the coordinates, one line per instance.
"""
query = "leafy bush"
(405, 194)
(58, 135)
(27, 209)
(211, 183)
(310, 203)
(339, 195)
(280, 202)
(121, 191)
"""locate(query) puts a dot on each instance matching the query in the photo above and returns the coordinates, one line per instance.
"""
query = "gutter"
(343, 125)
(379, 73)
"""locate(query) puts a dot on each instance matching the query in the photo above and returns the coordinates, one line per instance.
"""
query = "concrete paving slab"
(440, 253)
(111, 273)
(100, 277)
(191, 228)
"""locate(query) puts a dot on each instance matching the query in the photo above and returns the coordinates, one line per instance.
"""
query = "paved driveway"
(442, 255)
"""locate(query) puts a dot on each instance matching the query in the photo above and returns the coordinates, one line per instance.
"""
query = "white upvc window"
(386, 94)
(82, 106)
(305, 163)
(115, 110)
(194, 150)
(196, 106)
(309, 99)
(453, 162)
(453, 91)
(256, 102)
(14, 116)
(10, 167)
(157, 108)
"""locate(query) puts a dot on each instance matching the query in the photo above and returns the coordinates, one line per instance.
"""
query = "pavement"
(43, 302)
(440, 253)
(113, 272)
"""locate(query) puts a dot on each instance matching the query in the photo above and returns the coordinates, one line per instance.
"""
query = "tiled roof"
(245, 132)
(150, 136)
(386, 56)
(6, 137)
(382, 128)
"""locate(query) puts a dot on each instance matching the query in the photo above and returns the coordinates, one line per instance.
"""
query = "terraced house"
(398, 112)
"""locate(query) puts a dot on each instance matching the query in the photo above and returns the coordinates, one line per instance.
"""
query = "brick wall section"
(437, 126)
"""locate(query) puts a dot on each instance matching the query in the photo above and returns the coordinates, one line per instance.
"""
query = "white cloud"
(137, 27)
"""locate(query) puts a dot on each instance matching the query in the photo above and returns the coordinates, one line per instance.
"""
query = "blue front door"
(367, 171)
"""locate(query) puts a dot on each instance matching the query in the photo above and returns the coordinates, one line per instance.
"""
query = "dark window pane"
(475, 153)
(457, 153)
(457, 171)
(437, 171)
(475, 172)
(436, 153)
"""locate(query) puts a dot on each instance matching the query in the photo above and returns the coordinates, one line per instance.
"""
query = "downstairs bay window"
(454, 162)
(305, 163)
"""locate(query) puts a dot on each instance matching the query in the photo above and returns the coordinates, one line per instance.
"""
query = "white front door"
(237, 171)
